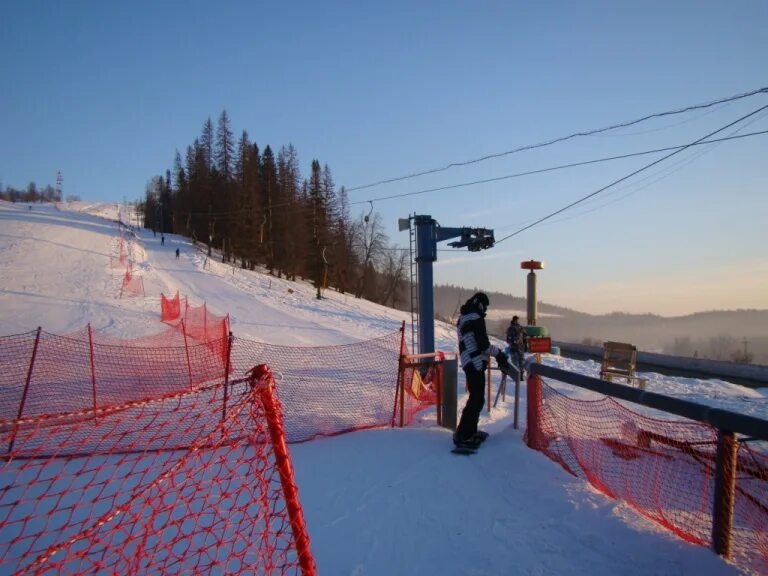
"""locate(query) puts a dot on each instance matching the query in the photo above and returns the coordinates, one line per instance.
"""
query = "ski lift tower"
(59, 187)
(428, 234)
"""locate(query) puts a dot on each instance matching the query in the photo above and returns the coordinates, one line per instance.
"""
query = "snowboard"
(467, 450)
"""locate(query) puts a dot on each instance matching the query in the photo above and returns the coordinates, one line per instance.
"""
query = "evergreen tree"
(225, 200)
(344, 262)
(181, 196)
(206, 144)
(318, 216)
(292, 238)
(246, 229)
(270, 192)
(224, 148)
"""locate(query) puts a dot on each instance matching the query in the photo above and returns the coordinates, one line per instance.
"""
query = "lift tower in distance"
(59, 187)
(428, 234)
(531, 266)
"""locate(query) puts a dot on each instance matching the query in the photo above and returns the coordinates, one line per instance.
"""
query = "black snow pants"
(471, 413)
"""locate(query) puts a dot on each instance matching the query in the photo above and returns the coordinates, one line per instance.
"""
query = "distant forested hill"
(736, 335)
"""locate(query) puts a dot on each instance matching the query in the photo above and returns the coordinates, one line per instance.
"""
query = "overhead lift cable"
(631, 174)
(763, 90)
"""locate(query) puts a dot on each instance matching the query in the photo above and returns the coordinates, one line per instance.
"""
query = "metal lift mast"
(428, 234)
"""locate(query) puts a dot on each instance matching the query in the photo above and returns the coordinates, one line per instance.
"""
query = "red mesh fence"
(328, 390)
(195, 482)
(132, 286)
(120, 261)
(136, 456)
(170, 309)
(202, 325)
(665, 469)
(195, 323)
(42, 373)
(420, 381)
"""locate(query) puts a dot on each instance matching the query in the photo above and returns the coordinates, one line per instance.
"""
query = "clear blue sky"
(106, 92)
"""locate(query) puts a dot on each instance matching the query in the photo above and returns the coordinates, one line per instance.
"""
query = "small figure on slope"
(474, 350)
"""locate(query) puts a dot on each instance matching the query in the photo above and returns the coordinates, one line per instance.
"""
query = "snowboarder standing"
(474, 350)
(517, 339)
(177, 253)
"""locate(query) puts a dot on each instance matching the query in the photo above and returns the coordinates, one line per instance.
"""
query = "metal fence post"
(449, 399)
(533, 407)
(725, 491)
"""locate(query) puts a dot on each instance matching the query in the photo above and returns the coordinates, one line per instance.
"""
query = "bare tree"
(394, 275)
(371, 245)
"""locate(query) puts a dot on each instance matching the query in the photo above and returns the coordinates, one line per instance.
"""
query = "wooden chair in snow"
(619, 361)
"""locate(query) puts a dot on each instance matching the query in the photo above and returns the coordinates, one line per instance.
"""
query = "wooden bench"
(619, 361)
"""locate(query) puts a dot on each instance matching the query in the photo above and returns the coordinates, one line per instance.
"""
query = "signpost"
(539, 345)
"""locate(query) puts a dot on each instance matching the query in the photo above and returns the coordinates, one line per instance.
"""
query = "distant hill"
(449, 298)
(736, 335)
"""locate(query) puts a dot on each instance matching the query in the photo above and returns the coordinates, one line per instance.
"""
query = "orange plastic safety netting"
(170, 308)
(132, 285)
(664, 469)
(195, 482)
(194, 322)
(328, 390)
(120, 260)
(42, 373)
(419, 386)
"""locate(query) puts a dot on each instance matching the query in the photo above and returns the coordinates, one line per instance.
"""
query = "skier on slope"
(474, 349)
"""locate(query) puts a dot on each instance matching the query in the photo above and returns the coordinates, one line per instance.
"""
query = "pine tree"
(182, 195)
(291, 237)
(225, 200)
(224, 147)
(270, 192)
(317, 214)
(206, 144)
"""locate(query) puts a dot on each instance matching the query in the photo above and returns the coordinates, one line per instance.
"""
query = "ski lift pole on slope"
(428, 234)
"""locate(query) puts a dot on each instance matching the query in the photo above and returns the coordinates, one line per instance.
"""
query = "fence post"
(226, 375)
(517, 399)
(488, 386)
(24, 393)
(533, 409)
(186, 349)
(263, 381)
(93, 364)
(437, 379)
(725, 490)
(448, 381)
(400, 376)
(402, 397)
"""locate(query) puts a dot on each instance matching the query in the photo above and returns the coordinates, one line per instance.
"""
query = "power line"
(561, 139)
(623, 178)
(653, 178)
(298, 205)
(558, 167)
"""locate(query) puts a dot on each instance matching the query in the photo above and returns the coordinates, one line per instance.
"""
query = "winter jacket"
(474, 346)
(517, 337)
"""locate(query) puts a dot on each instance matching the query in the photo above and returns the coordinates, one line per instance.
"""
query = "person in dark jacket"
(474, 350)
(517, 338)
